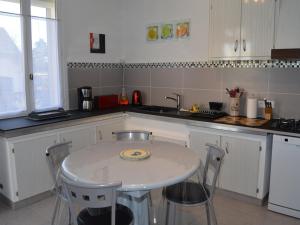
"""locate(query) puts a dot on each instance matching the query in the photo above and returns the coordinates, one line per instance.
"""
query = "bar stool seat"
(187, 193)
(124, 216)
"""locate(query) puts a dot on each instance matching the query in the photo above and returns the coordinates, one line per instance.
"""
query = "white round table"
(99, 164)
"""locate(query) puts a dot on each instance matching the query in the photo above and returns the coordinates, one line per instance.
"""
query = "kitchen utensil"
(234, 106)
(123, 98)
(136, 97)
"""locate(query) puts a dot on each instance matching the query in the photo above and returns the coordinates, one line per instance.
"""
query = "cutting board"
(237, 120)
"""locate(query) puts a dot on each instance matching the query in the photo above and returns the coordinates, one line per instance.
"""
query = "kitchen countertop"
(22, 125)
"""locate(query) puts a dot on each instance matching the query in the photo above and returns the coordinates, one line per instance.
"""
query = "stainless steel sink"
(164, 110)
(159, 109)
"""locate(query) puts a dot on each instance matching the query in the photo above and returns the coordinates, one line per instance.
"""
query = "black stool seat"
(124, 216)
(187, 193)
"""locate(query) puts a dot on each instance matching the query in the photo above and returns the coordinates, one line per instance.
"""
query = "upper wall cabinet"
(287, 24)
(241, 29)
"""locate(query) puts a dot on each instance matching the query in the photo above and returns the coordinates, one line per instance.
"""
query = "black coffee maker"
(85, 98)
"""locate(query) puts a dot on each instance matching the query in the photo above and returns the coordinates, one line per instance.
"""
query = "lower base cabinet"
(26, 172)
(245, 166)
(31, 168)
(239, 172)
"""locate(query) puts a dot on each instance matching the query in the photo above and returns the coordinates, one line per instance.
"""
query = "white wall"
(79, 18)
(137, 14)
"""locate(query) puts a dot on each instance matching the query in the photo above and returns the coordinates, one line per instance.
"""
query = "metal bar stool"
(98, 202)
(136, 135)
(193, 193)
(55, 155)
(132, 135)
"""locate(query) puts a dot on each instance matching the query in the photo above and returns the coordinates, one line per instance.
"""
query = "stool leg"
(171, 212)
(213, 214)
(207, 207)
(57, 200)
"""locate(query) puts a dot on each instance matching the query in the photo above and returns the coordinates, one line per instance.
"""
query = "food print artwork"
(168, 31)
(152, 33)
(183, 30)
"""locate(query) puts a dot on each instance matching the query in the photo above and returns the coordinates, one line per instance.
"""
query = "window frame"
(25, 15)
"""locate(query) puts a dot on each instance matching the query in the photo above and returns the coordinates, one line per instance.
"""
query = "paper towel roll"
(252, 107)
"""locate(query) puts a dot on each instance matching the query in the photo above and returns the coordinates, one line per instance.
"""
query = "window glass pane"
(43, 8)
(10, 6)
(45, 64)
(12, 78)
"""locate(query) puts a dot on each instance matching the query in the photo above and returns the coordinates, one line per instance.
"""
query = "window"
(29, 57)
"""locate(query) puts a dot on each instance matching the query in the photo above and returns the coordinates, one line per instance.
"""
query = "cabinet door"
(257, 28)
(32, 169)
(198, 141)
(225, 16)
(287, 23)
(239, 171)
(104, 131)
(80, 137)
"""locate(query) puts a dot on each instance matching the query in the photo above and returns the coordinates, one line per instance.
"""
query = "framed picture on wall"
(152, 33)
(183, 29)
(166, 31)
(97, 43)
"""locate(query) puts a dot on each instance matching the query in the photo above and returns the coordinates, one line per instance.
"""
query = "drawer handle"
(100, 135)
(244, 45)
(236, 45)
(226, 148)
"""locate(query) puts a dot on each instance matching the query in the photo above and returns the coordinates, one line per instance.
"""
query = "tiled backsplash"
(201, 85)
(102, 80)
(197, 85)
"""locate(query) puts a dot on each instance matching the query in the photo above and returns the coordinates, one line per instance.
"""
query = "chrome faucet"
(177, 100)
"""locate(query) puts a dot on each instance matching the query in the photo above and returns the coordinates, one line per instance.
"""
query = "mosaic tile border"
(219, 64)
(208, 64)
(87, 65)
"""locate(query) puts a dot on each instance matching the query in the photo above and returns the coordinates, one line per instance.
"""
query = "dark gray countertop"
(24, 124)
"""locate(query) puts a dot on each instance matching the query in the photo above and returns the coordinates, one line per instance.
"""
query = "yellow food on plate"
(135, 154)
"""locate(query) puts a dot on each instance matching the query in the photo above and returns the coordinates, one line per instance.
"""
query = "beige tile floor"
(229, 212)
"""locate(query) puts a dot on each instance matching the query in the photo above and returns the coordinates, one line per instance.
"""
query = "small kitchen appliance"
(136, 97)
(106, 101)
(85, 99)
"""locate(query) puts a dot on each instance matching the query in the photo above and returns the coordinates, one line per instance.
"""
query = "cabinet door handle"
(100, 135)
(236, 44)
(226, 148)
(244, 45)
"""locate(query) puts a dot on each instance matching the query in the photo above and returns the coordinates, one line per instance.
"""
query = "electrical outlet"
(261, 104)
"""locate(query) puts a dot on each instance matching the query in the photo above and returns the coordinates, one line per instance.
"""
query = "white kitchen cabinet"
(161, 130)
(287, 31)
(81, 137)
(257, 28)
(31, 168)
(225, 17)
(241, 29)
(239, 171)
(24, 171)
(198, 141)
(245, 168)
(105, 129)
